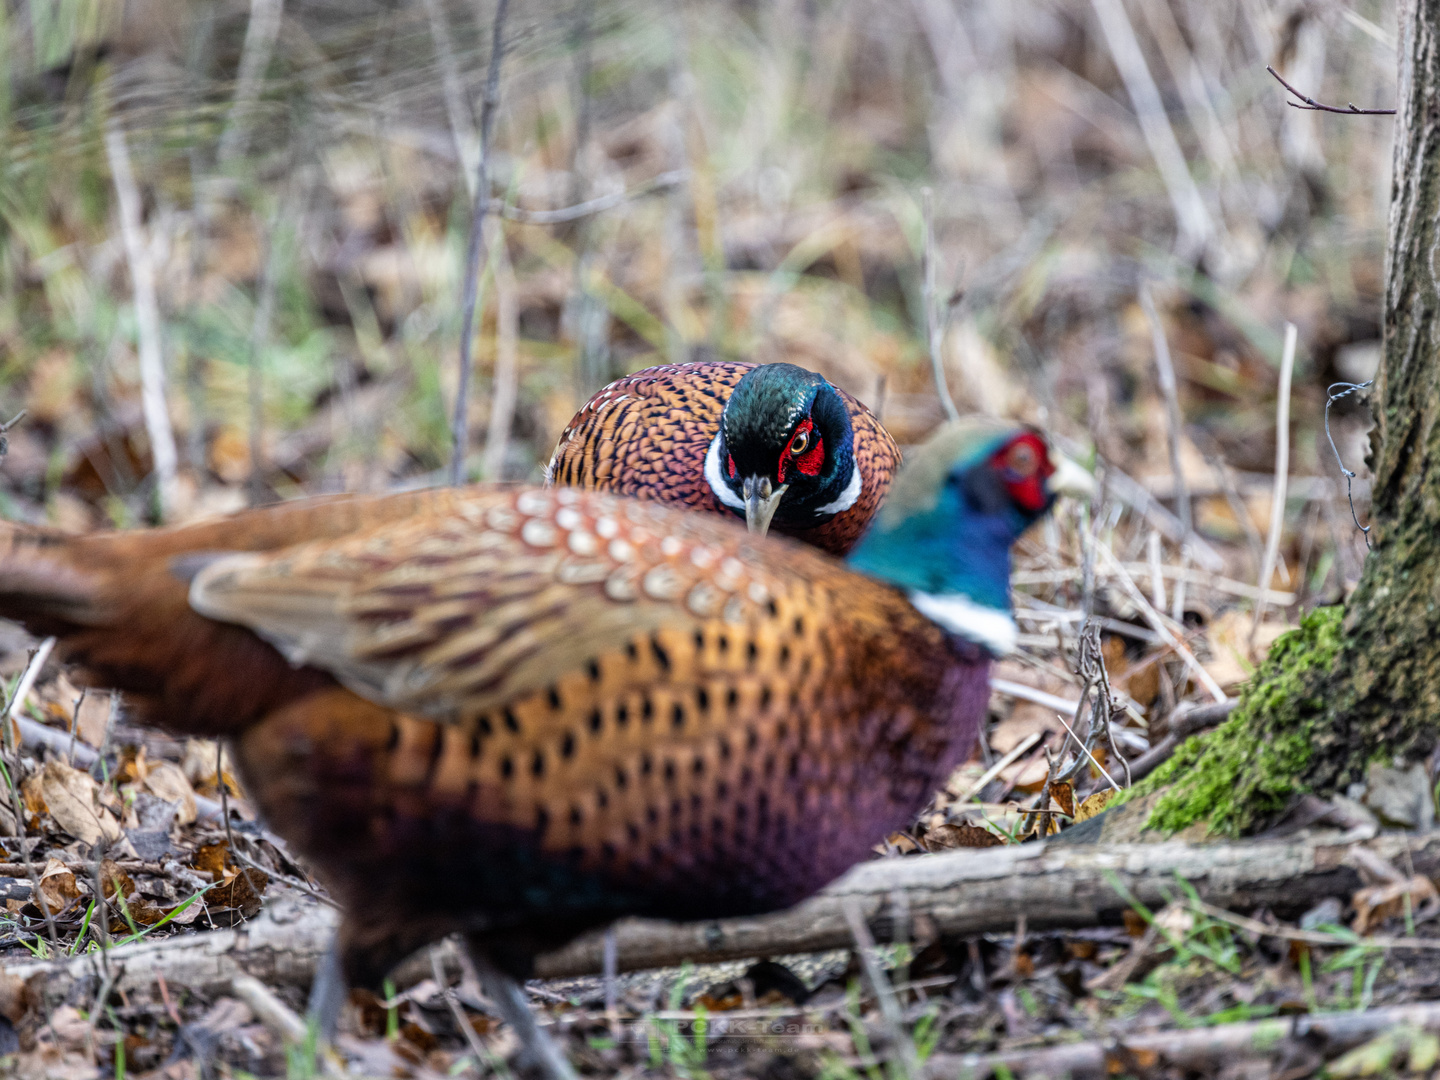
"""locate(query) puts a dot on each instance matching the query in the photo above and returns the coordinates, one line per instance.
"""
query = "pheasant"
(519, 713)
(772, 442)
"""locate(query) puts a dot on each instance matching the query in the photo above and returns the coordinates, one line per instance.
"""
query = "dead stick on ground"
(961, 893)
(1174, 430)
(460, 425)
(11, 742)
(1058, 885)
(1200, 1050)
(933, 336)
(147, 317)
(884, 993)
(1282, 475)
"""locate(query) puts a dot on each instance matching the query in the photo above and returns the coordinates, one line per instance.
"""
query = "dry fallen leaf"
(93, 719)
(58, 885)
(1093, 804)
(1376, 903)
(945, 837)
(73, 799)
(166, 780)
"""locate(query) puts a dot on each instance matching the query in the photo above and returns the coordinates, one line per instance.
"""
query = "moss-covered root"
(1246, 770)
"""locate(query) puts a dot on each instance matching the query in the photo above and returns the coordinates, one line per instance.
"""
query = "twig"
(1157, 623)
(1282, 476)
(9, 738)
(1330, 398)
(1195, 226)
(1000, 766)
(503, 387)
(269, 1009)
(5, 427)
(598, 205)
(224, 793)
(467, 1029)
(884, 992)
(932, 312)
(1086, 750)
(462, 126)
(27, 680)
(1316, 937)
(1170, 389)
(260, 34)
(1174, 430)
(1203, 1051)
(259, 337)
(1309, 104)
(75, 725)
(147, 318)
(460, 425)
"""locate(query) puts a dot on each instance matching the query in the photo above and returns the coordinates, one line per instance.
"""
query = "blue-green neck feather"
(954, 548)
(949, 522)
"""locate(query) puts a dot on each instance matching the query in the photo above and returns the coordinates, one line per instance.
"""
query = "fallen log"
(1205, 1051)
(968, 892)
(280, 947)
(958, 894)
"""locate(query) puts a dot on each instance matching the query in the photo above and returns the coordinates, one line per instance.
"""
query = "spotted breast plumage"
(774, 443)
(520, 713)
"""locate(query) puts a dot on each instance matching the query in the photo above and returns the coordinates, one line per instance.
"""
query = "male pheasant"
(772, 442)
(518, 714)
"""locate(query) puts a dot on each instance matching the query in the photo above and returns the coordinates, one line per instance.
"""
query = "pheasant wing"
(447, 614)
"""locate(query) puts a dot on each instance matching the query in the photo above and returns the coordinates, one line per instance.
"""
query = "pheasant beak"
(1070, 478)
(762, 499)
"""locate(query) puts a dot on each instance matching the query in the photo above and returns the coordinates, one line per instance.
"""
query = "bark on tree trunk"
(1360, 685)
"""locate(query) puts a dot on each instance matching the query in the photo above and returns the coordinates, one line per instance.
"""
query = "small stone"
(1400, 796)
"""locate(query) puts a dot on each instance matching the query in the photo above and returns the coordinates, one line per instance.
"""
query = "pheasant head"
(784, 453)
(945, 532)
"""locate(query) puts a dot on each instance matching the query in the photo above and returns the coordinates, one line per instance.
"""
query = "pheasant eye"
(800, 443)
(1022, 459)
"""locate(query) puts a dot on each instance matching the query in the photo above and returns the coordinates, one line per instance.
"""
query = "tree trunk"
(1363, 684)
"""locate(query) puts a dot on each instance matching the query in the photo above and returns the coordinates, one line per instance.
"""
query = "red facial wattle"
(1024, 465)
(805, 452)
(731, 460)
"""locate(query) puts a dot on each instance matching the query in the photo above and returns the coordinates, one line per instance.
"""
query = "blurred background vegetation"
(755, 174)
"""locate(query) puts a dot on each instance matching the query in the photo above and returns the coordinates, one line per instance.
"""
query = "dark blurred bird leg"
(509, 997)
(327, 992)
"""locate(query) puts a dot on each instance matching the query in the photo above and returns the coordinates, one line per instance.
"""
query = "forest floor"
(860, 188)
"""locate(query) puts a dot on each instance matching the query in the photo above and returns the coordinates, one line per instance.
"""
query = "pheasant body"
(520, 713)
(724, 730)
(690, 434)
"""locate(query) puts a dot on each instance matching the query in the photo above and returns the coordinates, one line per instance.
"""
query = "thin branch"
(147, 318)
(890, 1010)
(1309, 104)
(1330, 398)
(462, 127)
(933, 337)
(460, 426)
(1174, 430)
(1282, 476)
(259, 338)
(260, 34)
(589, 208)
(11, 741)
(503, 387)
(1196, 227)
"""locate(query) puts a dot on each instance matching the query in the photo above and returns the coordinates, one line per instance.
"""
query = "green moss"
(1246, 769)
